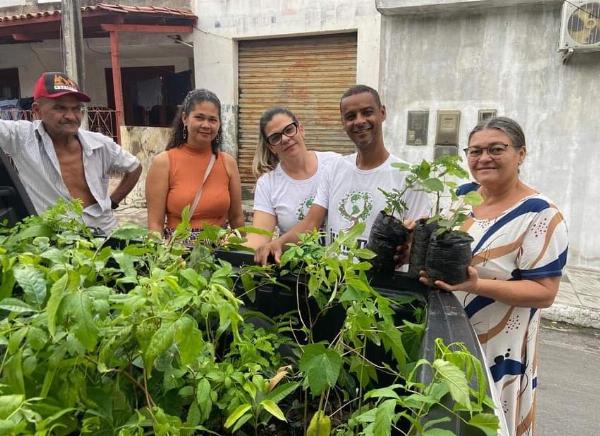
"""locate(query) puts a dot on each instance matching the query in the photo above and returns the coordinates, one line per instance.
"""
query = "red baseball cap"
(55, 85)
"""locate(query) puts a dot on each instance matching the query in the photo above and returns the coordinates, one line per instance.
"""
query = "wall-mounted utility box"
(485, 114)
(448, 123)
(417, 124)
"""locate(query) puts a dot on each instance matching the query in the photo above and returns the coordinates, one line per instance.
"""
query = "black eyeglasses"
(289, 131)
(494, 150)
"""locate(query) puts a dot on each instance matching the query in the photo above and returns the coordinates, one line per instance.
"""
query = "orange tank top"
(186, 171)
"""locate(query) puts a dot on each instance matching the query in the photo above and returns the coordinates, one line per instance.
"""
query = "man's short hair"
(359, 89)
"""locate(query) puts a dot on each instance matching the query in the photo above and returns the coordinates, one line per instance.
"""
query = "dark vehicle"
(14, 201)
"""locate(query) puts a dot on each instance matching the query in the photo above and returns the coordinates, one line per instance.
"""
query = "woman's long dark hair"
(194, 97)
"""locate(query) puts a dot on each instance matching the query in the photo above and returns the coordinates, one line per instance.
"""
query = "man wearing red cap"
(56, 159)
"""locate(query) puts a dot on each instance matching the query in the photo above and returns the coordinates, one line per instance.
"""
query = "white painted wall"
(505, 58)
(222, 23)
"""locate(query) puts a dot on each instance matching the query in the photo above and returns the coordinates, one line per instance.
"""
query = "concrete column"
(215, 65)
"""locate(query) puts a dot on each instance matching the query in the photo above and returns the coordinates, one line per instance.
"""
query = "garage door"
(307, 75)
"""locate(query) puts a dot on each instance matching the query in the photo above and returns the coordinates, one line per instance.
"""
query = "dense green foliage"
(151, 338)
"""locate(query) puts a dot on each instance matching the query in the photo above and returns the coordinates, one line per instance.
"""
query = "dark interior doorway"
(9, 84)
(150, 94)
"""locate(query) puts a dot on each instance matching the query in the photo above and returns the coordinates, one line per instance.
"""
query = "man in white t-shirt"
(348, 192)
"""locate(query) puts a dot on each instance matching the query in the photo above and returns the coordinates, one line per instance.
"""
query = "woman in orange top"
(176, 173)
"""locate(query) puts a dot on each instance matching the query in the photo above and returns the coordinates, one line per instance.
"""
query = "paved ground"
(577, 303)
(568, 383)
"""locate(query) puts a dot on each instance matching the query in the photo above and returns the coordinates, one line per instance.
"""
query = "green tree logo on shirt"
(356, 206)
(303, 208)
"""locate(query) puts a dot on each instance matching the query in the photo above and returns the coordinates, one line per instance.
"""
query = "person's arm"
(261, 220)
(313, 220)
(128, 182)
(235, 215)
(538, 293)
(157, 187)
(9, 137)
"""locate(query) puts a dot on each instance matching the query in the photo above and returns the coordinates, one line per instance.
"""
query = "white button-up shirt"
(32, 151)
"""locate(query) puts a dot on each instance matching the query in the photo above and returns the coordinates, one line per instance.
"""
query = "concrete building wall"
(222, 23)
(506, 59)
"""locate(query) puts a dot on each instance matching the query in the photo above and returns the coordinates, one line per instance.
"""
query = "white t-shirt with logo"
(289, 199)
(350, 195)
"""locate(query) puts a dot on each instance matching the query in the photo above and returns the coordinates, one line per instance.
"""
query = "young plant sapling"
(449, 250)
(388, 231)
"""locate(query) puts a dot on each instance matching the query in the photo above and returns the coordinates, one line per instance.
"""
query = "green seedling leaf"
(237, 414)
(34, 231)
(129, 231)
(79, 307)
(203, 399)
(273, 409)
(401, 166)
(15, 305)
(243, 420)
(36, 338)
(387, 392)
(159, 343)
(10, 404)
(455, 379)
(14, 373)
(320, 425)
(282, 391)
(321, 367)
(251, 389)
(433, 185)
(257, 230)
(382, 426)
(364, 253)
(431, 423)
(57, 292)
(33, 284)
(486, 422)
(126, 263)
(438, 432)
(189, 340)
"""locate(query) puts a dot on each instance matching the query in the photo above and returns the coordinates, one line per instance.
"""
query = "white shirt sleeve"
(262, 195)
(122, 160)
(322, 195)
(9, 136)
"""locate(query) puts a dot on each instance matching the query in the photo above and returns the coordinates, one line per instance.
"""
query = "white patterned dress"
(527, 242)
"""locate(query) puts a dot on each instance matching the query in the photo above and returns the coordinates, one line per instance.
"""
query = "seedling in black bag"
(449, 249)
(388, 230)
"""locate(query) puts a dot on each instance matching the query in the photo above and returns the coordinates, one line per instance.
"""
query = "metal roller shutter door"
(307, 75)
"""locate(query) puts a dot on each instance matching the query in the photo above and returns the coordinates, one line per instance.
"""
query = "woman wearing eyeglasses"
(519, 250)
(288, 174)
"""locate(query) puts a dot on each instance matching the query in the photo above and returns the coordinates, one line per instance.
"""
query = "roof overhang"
(97, 22)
